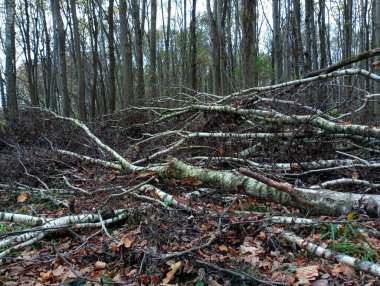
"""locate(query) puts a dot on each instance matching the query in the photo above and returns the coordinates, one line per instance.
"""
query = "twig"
(243, 276)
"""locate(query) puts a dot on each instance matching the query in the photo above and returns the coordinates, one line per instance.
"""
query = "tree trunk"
(10, 60)
(347, 29)
(111, 56)
(79, 64)
(308, 35)
(26, 46)
(93, 27)
(152, 48)
(126, 50)
(140, 90)
(215, 45)
(277, 48)
(193, 48)
(322, 34)
(249, 42)
(299, 58)
(61, 45)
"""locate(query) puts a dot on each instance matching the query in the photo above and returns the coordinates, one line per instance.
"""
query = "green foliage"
(106, 280)
(289, 268)
(3, 228)
(356, 250)
(199, 283)
(345, 240)
(262, 209)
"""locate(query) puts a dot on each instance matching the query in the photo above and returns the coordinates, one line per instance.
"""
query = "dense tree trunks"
(322, 34)
(79, 64)
(126, 51)
(47, 65)
(249, 43)
(308, 35)
(27, 49)
(61, 45)
(111, 57)
(276, 46)
(299, 53)
(93, 27)
(216, 17)
(347, 29)
(193, 47)
(376, 103)
(137, 23)
(10, 61)
(153, 47)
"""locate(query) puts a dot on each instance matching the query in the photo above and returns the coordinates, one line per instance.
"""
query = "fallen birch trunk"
(321, 201)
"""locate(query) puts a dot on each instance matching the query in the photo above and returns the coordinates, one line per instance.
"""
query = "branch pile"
(295, 147)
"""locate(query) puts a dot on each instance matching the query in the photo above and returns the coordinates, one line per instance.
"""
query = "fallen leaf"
(205, 227)
(344, 269)
(22, 197)
(350, 216)
(170, 275)
(100, 265)
(222, 247)
(126, 241)
(44, 276)
(192, 181)
(154, 279)
(262, 236)
(58, 271)
(144, 279)
(307, 272)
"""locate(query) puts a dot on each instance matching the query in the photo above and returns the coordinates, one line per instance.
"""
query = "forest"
(194, 142)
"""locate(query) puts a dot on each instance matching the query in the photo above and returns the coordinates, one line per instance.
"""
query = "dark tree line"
(90, 57)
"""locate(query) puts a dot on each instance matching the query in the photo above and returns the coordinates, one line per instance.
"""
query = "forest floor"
(229, 240)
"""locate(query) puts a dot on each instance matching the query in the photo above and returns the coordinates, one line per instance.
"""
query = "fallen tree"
(250, 143)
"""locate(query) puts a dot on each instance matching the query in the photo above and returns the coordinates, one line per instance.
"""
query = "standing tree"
(193, 47)
(126, 50)
(249, 42)
(111, 57)
(216, 21)
(322, 34)
(152, 47)
(276, 45)
(138, 23)
(10, 62)
(61, 49)
(79, 64)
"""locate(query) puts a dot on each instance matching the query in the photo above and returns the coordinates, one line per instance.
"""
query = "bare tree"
(249, 42)
(193, 47)
(138, 22)
(61, 49)
(10, 61)
(277, 48)
(126, 50)
(152, 48)
(111, 57)
(322, 33)
(79, 64)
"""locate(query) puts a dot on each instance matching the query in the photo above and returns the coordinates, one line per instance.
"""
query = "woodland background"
(88, 58)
